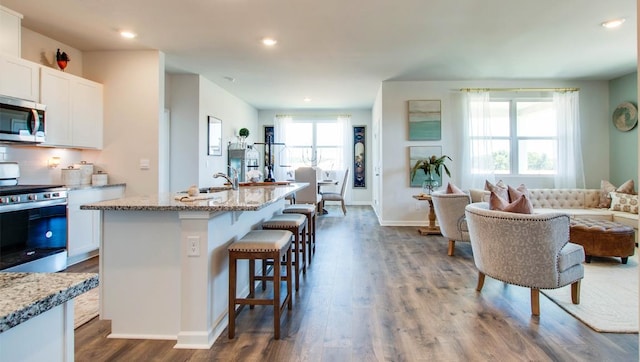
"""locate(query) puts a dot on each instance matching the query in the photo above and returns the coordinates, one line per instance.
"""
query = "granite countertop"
(246, 198)
(26, 295)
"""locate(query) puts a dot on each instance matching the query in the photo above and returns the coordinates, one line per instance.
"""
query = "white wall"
(133, 105)
(235, 114)
(359, 117)
(192, 99)
(397, 205)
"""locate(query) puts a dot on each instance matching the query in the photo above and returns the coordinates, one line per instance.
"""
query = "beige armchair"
(449, 209)
(529, 250)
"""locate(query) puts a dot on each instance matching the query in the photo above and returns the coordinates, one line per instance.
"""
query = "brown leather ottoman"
(603, 238)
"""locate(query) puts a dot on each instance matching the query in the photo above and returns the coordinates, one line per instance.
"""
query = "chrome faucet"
(233, 181)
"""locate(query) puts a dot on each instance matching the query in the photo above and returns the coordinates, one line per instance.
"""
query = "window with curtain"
(523, 136)
(312, 141)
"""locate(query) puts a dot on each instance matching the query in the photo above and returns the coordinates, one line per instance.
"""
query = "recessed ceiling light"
(307, 99)
(128, 34)
(613, 23)
(269, 42)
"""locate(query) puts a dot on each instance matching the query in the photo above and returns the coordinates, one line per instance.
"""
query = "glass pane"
(299, 134)
(497, 115)
(328, 159)
(537, 157)
(500, 119)
(328, 134)
(536, 119)
(490, 155)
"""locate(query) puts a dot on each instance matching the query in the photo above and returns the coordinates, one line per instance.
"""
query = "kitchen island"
(164, 260)
(36, 314)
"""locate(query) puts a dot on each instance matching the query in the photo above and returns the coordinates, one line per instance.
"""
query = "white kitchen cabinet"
(19, 78)
(10, 32)
(74, 115)
(84, 226)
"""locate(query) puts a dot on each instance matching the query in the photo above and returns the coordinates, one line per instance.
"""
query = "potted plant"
(242, 136)
(430, 166)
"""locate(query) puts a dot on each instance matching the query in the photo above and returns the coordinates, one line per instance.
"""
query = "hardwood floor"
(385, 294)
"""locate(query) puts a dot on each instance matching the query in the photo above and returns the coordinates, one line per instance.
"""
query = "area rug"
(85, 307)
(608, 296)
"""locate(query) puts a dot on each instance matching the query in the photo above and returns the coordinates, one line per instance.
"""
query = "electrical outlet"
(193, 246)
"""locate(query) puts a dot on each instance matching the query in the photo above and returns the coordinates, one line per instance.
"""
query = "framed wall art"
(420, 153)
(425, 120)
(359, 169)
(214, 145)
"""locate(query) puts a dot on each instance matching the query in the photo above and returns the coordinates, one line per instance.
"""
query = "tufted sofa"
(577, 203)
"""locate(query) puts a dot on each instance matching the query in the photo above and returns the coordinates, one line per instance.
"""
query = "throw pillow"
(607, 187)
(498, 188)
(453, 189)
(624, 202)
(514, 194)
(521, 205)
(627, 188)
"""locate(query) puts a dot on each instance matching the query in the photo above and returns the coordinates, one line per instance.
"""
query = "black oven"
(33, 229)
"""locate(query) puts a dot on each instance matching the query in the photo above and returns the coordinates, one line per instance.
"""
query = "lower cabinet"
(84, 226)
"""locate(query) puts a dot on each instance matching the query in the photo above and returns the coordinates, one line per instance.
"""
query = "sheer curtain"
(281, 158)
(477, 155)
(569, 167)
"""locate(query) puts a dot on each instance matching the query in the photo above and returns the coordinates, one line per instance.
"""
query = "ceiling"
(337, 52)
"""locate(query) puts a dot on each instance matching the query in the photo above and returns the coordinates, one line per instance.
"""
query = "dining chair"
(334, 196)
(309, 194)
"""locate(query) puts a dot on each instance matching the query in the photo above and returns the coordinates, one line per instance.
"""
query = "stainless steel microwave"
(21, 121)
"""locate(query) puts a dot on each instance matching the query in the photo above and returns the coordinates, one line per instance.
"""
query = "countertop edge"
(90, 187)
(125, 204)
(52, 300)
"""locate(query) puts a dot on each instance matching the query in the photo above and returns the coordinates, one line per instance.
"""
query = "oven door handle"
(32, 205)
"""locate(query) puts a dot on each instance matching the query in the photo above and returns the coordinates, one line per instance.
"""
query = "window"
(523, 137)
(311, 142)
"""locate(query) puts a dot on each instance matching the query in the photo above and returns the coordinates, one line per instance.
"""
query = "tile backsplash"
(34, 162)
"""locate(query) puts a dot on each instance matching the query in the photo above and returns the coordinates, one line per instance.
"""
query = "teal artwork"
(417, 153)
(425, 121)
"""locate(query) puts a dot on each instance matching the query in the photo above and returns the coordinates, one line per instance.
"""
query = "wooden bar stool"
(309, 211)
(261, 244)
(296, 224)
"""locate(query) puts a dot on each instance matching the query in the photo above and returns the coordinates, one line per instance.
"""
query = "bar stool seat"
(309, 211)
(261, 244)
(296, 223)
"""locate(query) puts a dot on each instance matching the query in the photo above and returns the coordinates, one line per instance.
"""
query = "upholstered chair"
(449, 209)
(529, 250)
(334, 196)
(309, 194)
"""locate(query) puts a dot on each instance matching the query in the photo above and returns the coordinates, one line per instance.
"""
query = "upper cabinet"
(19, 78)
(10, 32)
(74, 113)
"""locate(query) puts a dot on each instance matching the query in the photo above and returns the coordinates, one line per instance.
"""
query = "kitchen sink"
(212, 189)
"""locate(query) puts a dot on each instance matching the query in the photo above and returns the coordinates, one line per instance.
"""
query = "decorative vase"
(430, 183)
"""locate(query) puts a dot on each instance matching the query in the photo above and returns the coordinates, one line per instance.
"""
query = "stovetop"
(27, 189)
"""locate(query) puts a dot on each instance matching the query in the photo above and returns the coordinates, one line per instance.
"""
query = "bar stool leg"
(276, 297)
(232, 296)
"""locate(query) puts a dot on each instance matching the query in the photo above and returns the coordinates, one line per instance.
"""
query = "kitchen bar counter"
(164, 264)
(246, 198)
(36, 314)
